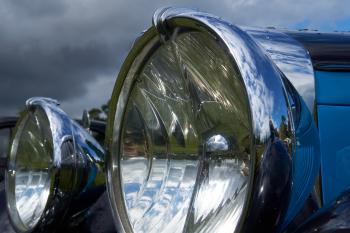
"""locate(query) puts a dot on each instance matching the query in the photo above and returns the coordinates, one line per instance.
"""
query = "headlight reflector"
(184, 155)
(30, 160)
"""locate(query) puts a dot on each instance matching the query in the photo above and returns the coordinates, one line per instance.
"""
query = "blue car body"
(330, 57)
(330, 54)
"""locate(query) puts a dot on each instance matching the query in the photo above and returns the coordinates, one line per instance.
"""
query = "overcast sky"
(72, 50)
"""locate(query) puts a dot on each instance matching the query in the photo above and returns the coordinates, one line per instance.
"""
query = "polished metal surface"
(291, 58)
(53, 164)
(32, 162)
(182, 121)
(281, 129)
(306, 158)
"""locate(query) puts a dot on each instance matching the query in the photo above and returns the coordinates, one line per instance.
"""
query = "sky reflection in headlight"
(185, 145)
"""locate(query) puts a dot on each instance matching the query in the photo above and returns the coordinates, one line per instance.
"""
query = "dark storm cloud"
(72, 50)
(56, 50)
(59, 73)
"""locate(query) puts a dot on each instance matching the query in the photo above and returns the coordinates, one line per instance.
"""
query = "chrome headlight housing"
(52, 160)
(30, 179)
(202, 131)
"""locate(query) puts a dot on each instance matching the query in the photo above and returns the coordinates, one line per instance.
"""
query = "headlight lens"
(29, 180)
(184, 152)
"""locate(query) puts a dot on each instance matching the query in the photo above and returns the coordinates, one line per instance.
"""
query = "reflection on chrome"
(199, 93)
(178, 101)
(291, 58)
(32, 181)
(31, 194)
(52, 160)
(306, 160)
(217, 206)
(161, 201)
(216, 143)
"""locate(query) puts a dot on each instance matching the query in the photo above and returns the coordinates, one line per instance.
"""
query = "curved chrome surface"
(284, 137)
(277, 112)
(31, 155)
(75, 169)
(306, 159)
(291, 58)
(295, 63)
(187, 114)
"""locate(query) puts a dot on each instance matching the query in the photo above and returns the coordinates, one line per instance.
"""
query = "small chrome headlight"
(29, 182)
(52, 160)
(201, 131)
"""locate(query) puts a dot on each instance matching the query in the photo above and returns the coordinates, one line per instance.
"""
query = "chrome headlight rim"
(143, 47)
(114, 186)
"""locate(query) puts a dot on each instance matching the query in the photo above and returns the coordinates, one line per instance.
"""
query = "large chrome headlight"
(201, 131)
(52, 161)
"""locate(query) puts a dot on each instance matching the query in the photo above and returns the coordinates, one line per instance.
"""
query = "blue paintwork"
(332, 88)
(333, 96)
(335, 149)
